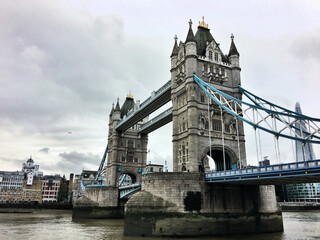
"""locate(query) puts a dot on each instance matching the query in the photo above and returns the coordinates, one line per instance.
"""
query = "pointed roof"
(127, 105)
(175, 47)
(190, 36)
(112, 110)
(117, 106)
(202, 36)
(233, 50)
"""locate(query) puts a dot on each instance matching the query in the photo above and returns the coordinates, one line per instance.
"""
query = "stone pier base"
(98, 202)
(183, 205)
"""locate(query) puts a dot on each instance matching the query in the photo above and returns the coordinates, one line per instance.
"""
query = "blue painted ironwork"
(295, 169)
(128, 189)
(83, 188)
(101, 164)
(267, 112)
(155, 95)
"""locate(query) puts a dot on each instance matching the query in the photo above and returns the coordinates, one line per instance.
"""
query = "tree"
(63, 189)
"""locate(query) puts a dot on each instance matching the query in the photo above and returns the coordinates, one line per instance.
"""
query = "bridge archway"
(126, 178)
(231, 158)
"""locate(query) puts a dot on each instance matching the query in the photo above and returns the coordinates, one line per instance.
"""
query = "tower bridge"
(208, 115)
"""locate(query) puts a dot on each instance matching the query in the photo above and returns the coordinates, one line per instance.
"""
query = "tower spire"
(117, 106)
(175, 47)
(190, 36)
(233, 50)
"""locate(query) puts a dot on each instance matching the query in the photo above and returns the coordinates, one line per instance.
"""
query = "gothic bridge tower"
(127, 151)
(192, 122)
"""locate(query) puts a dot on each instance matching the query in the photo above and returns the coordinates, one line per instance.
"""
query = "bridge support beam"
(183, 205)
(98, 202)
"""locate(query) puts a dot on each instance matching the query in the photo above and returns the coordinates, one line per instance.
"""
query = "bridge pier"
(98, 202)
(182, 205)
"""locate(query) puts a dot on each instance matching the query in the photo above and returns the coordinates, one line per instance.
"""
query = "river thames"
(59, 225)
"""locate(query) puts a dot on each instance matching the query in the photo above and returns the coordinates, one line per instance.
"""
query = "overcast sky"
(63, 64)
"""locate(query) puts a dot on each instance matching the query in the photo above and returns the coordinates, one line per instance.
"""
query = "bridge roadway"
(155, 101)
(287, 173)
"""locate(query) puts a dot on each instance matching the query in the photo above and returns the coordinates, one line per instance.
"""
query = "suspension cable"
(303, 143)
(209, 121)
(277, 140)
(293, 149)
(238, 137)
(255, 135)
(222, 135)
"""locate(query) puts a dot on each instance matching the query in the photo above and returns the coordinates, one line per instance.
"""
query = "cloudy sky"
(63, 64)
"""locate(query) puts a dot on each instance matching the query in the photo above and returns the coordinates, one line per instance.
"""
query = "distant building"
(31, 170)
(11, 180)
(154, 168)
(264, 162)
(50, 187)
(304, 192)
(32, 193)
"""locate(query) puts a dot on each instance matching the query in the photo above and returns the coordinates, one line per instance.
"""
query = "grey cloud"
(78, 158)
(60, 65)
(45, 150)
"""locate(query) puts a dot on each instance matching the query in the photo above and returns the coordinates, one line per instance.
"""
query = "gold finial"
(203, 24)
(130, 95)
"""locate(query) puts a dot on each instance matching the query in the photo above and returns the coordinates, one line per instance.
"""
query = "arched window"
(216, 56)
(210, 55)
(202, 98)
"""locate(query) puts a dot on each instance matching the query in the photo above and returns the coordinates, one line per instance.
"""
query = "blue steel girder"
(286, 173)
(156, 122)
(266, 116)
(155, 101)
(129, 189)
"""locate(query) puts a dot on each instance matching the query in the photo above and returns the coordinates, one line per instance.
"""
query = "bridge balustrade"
(284, 167)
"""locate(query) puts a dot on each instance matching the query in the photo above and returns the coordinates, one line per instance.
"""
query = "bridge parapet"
(294, 172)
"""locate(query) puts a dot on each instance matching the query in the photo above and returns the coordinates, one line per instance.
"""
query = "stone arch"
(134, 177)
(217, 154)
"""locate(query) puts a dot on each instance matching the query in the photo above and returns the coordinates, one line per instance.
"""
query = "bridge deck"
(297, 172)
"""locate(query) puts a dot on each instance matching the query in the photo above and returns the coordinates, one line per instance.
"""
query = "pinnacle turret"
(190, 36)
(233, 50)
(117, 106)
(175, 47)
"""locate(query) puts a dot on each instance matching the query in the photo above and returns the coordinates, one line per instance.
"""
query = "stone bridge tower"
(127, 151)
(192, 122)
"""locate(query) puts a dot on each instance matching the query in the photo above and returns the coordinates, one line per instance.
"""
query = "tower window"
(202, 98)
(205, 68)
(216, 125)
(210, 55)
(216, 56)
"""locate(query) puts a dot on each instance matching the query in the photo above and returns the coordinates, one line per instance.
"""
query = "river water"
(59, 225)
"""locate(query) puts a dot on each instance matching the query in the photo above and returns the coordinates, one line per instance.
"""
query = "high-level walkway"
(155, 101)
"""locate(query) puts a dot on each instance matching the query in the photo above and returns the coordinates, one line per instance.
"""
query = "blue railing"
(156, 119)
(278, 168)
(154, 95)
(126, 190)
